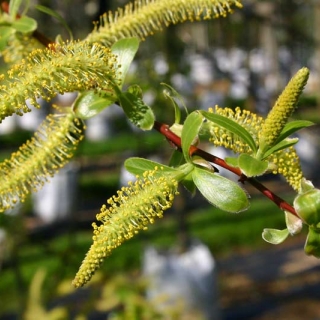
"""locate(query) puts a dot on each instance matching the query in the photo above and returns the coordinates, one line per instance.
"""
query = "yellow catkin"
(283, 109)
(39, 158)
(131, 210)
(142, 18)
(286, 162)
(76, 66)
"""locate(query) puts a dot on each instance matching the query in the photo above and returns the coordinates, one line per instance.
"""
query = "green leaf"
(173, 95)
(25, 24)
(274, 236)
(5, 33)
(14, 6)
(57, 16)
(231, 161)
(176, 159)
(125, 50)
(231, 126)
(136, 110)
(190, 132)
(292, 127)
(220, 191)
(280, 146)
(138, 166)
(250, 166)
(89, 103)
(312, 245)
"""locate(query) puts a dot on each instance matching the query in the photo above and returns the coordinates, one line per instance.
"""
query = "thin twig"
(176, 141)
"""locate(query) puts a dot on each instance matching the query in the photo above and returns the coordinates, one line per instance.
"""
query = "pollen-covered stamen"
(75, 66)
(133, 209)
(144, 17)
(39, 158)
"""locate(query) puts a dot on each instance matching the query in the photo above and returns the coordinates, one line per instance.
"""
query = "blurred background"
(197, 262)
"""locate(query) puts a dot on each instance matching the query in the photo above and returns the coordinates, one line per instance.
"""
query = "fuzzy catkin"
(142, 18)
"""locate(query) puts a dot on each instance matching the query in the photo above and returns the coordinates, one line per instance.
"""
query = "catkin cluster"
(76, 66)
(143, 17)
(50, 149)
(131, 210)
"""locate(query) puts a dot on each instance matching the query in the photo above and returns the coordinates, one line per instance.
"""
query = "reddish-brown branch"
(175, 140)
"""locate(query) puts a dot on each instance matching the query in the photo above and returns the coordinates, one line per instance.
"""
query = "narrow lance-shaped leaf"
(292, 127)
(284, 144)
(190, 132)
(55, 15)
(173, 95)
(220, 191)
(138, 166)
(231, 126)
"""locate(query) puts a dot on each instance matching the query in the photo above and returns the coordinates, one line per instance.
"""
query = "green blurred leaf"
(231, 161)
(220, 191)
(275, 236)
(280, 146)
(176, 159)
(312, 245)
(292, 127)
(138, 166)
(136, 110)
(190, 132)
(14, 6)
(231, 126)
(89, 103)
(55, 15)
(5, 33)
(25, 24)
(250, 166)
(125, 50)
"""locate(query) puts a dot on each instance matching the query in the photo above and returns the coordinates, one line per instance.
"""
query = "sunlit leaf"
(220, 191)
(250, 166)
(138, 166)
(292, 127)
(89, 103)
(275, 236)
(288, 142)
(190, 132)
(125, 50)
(231, 126)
